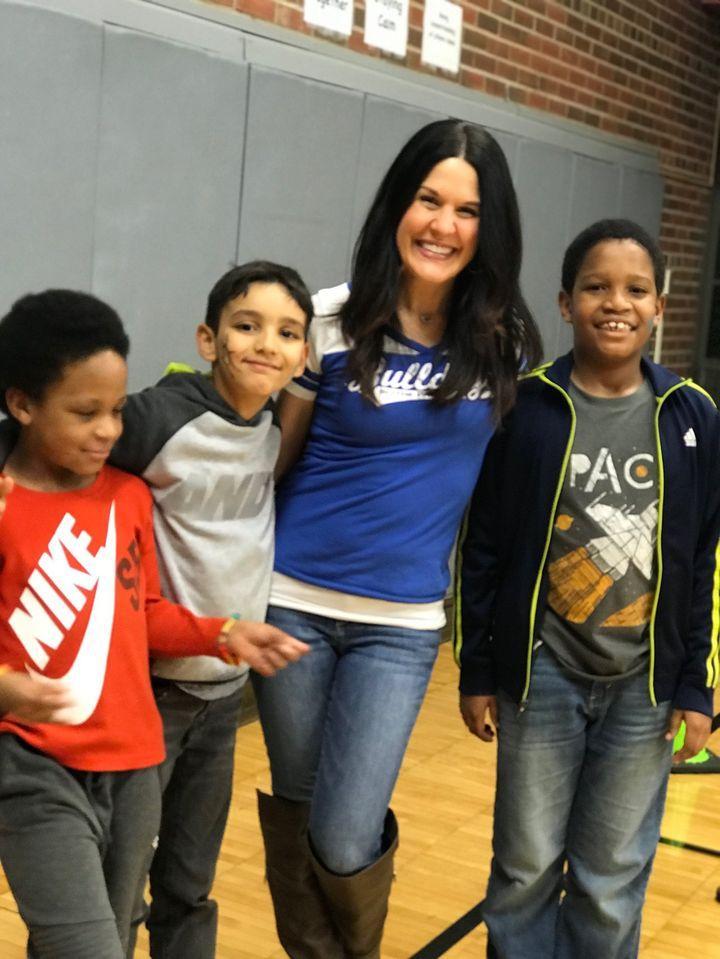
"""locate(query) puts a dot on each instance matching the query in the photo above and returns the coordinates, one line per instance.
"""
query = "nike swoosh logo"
(86, 676)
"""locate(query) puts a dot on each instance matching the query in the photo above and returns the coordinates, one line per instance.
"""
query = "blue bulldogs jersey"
(373, 505)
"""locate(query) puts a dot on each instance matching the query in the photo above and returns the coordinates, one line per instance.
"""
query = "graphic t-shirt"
(601, 562)
(373, 506)
(80, 602)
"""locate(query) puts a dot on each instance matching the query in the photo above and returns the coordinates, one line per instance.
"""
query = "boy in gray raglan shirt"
(206, 445)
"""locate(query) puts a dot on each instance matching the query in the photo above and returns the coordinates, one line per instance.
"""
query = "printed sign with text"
(335, 16)
(442, 35)
(386, 25)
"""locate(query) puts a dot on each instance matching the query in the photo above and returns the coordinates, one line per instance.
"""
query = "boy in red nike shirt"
(80, 610)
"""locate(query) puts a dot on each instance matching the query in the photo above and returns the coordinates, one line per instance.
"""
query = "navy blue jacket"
(501, 579)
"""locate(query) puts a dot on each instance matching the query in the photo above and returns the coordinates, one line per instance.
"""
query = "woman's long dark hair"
(490, 331)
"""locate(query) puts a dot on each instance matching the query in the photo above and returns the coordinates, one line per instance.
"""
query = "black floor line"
(465, 924)
(473, 918)
(452, 935)
(679, 844)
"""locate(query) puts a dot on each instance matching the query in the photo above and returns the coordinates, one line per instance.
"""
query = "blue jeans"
(337, 724)
(582, 776)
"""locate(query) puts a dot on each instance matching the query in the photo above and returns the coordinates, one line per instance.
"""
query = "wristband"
(222, 640)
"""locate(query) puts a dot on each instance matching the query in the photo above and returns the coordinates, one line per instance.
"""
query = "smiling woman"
(436, 238)
(409, 367)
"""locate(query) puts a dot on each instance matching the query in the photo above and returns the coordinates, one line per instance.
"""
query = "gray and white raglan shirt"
(211, 477)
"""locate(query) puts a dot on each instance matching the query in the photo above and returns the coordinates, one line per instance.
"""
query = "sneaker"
(705, 762)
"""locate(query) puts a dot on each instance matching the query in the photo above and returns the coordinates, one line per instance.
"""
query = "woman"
(409, 370)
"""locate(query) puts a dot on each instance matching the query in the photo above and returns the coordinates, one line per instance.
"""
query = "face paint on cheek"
(226, 354)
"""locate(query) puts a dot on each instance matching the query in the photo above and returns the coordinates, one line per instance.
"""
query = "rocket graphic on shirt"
(581, 579)
(616, 514)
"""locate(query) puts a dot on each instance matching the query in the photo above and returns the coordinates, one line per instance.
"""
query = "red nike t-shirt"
(80, 602)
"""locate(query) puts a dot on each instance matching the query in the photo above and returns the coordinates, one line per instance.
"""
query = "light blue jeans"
(337, 724)
(582, 777)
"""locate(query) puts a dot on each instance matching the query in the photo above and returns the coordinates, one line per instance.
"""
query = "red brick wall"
(644, 69)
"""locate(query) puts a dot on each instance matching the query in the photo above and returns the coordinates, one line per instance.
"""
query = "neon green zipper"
(558, 490)
(658, 537)
(658, 540)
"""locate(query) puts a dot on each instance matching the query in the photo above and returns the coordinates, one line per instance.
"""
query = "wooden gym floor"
(444, 806)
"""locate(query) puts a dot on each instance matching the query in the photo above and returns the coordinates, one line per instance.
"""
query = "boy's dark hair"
(489, 325)
(45, 332)
(237, 281)
(610, 230)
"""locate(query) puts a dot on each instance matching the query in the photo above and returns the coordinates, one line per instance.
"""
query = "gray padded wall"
(386, 126)
(641, 196)
(49, 100)
(594, 191)
(543, 178)
(168, 189)
(509, 144)
(303, 142)
(559, 194)
(146, 148)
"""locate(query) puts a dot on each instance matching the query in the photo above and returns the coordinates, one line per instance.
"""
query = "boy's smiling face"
(68, 433)
(614, 305)
(259, 346)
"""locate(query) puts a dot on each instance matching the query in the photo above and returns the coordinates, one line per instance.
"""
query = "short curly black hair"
(45, 332)
(604, 230)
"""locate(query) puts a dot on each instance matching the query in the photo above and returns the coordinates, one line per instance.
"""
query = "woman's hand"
(475, 711)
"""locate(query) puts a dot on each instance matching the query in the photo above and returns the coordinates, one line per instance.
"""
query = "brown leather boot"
(359, 903)
(302, 918)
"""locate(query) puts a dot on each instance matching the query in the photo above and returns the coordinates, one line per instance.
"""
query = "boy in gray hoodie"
(206, 445)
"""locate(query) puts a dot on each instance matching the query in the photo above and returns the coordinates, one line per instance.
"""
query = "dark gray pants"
(73, 846)
(196, 779)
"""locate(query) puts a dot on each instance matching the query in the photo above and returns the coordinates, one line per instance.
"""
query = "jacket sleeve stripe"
(713, 660)
(457, 617)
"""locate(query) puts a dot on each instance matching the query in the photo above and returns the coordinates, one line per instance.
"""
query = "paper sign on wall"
(335, 16)
(442, 35)
(386, 25)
